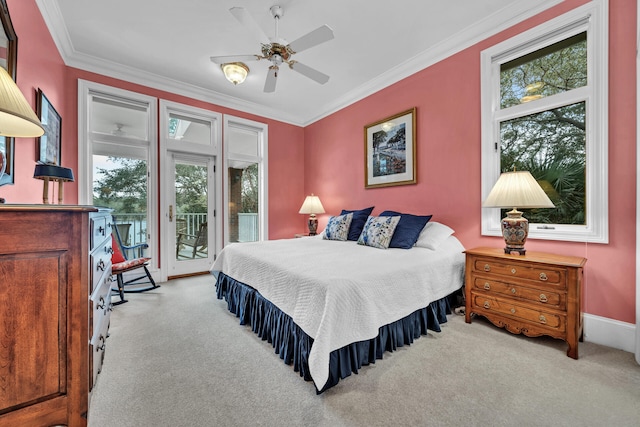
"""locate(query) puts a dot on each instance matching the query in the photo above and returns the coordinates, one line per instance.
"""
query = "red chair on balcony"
(122, 263)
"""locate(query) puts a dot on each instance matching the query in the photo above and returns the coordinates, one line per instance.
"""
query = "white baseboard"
(609, 332)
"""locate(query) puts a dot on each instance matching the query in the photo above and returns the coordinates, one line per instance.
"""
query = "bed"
(329, 307)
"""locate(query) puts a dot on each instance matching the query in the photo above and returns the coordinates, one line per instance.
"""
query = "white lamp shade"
(517, 189)
(235, 72)
(16, 116)
(311, 205)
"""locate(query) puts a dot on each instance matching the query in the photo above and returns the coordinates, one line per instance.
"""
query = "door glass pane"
(120, 183)
(188, 129)
(243, 201)
(552, 146)
(545, 72)
(191, 185)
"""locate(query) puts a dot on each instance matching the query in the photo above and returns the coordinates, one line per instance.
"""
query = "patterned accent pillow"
(378, 231)
(359, 218)
(338, 227)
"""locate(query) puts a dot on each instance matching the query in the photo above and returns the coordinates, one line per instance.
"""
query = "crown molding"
(485, 28)
(499, 21)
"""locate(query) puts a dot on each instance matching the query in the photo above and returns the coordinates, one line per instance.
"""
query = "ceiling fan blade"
(306, 71)
(250, 24)
(232, 58)
(272, 78)
(315, 37)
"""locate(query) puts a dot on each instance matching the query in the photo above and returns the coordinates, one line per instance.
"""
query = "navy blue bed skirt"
(293, 344)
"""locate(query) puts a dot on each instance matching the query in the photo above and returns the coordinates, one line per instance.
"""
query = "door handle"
(170, 213)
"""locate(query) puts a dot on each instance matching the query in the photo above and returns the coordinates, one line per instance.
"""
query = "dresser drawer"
(100, 305)
(541, 318)
(96, 349)
(546, 297)
(100, 229)
(536, 273)
(100, 263)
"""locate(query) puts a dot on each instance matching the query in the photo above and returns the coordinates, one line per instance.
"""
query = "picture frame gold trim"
(390, 151)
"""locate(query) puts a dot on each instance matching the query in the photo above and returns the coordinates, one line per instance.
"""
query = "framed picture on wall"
(49, 147)
(390, 151)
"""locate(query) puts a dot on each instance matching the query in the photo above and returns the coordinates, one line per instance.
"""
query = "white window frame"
(592, 18)
(262, 159)
(119, 146)
(212, 150)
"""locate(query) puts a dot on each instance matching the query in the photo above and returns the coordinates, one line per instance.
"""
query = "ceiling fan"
(274, 51)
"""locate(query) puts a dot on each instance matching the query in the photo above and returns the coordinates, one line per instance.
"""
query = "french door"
(191, 214)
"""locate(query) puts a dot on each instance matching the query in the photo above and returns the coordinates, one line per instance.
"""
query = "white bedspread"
(342, 292)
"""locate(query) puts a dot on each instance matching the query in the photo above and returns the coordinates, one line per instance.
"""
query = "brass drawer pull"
(487, 286)
(487, 267)
(513, 311)
(487, 305)
(513, 290)
(543, 277)
(513, 271)
(543, 298)
(542, 319)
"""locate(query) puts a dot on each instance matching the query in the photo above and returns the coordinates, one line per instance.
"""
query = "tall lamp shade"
(312, 206)
(517, 189)
(16, 115)
(17, 119)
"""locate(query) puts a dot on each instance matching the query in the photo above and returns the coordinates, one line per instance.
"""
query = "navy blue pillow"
(358, 221)
(408, 229)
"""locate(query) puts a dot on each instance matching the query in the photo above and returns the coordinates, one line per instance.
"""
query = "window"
(544, 109)
(117, 159)
(246, 177)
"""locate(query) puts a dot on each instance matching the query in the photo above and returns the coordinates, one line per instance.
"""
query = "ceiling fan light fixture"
(235, 72)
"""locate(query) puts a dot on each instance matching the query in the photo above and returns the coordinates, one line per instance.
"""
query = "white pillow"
(433, 234)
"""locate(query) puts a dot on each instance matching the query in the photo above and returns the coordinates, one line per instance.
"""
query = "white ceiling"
(166, 44)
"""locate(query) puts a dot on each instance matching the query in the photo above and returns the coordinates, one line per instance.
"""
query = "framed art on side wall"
(390, 151)
(49, 147)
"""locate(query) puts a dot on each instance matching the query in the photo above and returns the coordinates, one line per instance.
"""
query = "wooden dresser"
(100, 306)
(51, 320)
(533, 294)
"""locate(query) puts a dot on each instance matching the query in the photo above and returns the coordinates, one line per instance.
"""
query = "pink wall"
(330, 162)
(41, 66)
(447, 97)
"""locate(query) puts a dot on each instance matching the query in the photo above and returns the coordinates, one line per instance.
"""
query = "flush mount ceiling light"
(235, 72)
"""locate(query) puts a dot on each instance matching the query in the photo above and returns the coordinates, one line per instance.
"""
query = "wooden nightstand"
(533, 294)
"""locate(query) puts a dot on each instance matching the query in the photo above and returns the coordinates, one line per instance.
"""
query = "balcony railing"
(133, 226)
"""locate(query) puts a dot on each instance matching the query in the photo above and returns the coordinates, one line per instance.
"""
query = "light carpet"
(177, 357)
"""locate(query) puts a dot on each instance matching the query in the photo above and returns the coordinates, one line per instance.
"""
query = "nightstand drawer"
(547, 297)
(541, 274)
(504, 307)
